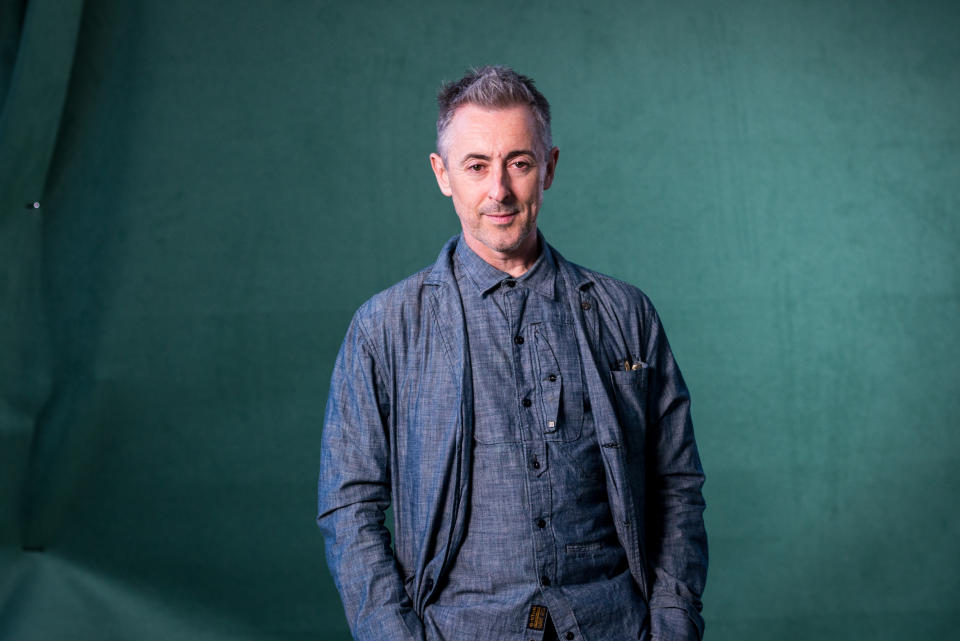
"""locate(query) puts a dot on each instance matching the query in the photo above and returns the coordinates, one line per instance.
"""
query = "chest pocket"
(559, 382)
(630, 389)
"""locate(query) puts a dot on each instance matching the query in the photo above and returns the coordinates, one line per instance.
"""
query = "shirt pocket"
(559, 385)
(630, 395)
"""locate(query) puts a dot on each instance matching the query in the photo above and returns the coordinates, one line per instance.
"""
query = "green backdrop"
(221, 183)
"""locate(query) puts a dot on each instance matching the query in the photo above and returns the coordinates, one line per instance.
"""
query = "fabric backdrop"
(219, 184)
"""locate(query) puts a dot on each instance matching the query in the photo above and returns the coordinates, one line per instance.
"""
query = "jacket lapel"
(581, 290)
(443, 294)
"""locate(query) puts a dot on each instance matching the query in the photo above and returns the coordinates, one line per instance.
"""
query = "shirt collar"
(541, 277)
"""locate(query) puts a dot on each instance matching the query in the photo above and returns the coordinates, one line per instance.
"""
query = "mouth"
(501, 217)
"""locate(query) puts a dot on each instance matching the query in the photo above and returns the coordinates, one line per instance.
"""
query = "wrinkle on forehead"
(492, 133)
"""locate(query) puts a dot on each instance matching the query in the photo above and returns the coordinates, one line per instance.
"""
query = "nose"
(499, 187)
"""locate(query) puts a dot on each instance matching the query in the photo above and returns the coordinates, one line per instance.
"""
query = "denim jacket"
(398, 431)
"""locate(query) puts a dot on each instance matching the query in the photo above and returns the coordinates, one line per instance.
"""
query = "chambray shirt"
(400, 430)
(540, 534)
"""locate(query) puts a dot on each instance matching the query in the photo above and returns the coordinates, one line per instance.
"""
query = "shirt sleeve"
(353, 494)
(676, 537)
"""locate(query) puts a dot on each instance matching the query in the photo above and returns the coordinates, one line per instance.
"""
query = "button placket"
(537, 461)
(551, 384)
(551, 387)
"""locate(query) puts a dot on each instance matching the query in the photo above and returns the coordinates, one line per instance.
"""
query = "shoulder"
(388, 307)
(402, 304)
(611, 292)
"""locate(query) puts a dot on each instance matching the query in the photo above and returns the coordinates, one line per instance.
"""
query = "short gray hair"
(493, 87)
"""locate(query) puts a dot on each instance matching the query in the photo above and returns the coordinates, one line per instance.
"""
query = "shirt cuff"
(675, 622)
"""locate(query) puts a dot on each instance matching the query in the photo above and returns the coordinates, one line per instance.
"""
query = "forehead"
(492, 129)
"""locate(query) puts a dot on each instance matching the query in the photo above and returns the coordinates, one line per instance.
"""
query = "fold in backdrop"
(195, 196)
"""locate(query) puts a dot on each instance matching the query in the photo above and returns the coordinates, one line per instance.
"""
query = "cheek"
(464, 192)
(533, 188)
(462, 206)
(533, 195)
(466, 212)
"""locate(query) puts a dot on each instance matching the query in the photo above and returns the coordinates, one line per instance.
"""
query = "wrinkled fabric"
(399, 427)
(540, 536)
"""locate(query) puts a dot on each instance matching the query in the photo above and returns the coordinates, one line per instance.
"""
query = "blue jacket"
(398, 431)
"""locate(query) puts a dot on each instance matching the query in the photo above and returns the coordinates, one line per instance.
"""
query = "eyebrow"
(512, 154)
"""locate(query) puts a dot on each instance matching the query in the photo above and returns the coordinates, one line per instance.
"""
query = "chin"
(507, 245)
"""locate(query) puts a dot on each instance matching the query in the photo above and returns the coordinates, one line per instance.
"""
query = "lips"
(501, 217)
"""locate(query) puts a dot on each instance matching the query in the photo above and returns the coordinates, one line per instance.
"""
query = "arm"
(676, 537)
(354, 492)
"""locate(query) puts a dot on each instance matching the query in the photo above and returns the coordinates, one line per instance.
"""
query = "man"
(523, 416)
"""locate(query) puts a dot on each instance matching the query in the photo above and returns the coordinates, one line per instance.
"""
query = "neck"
(515, 262)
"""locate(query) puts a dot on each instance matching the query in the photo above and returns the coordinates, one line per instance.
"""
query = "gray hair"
(493, 87)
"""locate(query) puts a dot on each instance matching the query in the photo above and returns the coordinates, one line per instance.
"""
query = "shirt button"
(536, 464)
(429, 584)
(510, 283)
(552, 378)
(569, 635)
(585, 305)
(526, 402)
(541, 523)
(545, 580)
(518, 340)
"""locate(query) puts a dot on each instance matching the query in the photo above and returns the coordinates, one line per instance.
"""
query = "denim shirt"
(540, 536)
(400, 424)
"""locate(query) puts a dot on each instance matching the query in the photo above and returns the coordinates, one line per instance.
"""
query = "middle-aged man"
(524, 417)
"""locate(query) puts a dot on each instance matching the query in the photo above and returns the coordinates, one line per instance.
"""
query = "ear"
(551, 169)
(440, 171)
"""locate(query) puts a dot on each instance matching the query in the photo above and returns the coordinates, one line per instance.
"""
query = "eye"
(521, 164)
(475, 167)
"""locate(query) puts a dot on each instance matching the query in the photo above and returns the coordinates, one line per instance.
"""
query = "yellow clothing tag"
(538, 617)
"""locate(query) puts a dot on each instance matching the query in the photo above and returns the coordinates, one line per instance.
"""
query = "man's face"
(496, 177)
